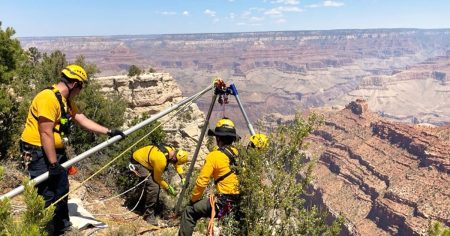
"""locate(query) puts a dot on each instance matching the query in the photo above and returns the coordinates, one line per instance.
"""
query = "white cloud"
(286, 2)
(210, 13)
(281, 21)
(280, 10)
(231, 16)
(332, 4)
(313, 6)
(256, 18)
(328, 3)
(168, 13)
(231, 0)
(185, 13)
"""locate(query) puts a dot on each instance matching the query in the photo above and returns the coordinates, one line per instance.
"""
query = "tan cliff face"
(402, 73)
(384, 177)
(149, 94)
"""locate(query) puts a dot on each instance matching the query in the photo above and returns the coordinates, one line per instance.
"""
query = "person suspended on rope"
(219, 164)
(42, 142)
(151, 161)
(258, 141)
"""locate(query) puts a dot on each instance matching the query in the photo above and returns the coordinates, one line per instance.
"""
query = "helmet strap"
(66, 81)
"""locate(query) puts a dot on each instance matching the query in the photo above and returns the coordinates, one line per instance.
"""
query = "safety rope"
(135, 206)
(120, 194)
(212, 201)
(126, 150)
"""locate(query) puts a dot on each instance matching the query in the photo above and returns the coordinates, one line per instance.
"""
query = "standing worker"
(47, 125)
(220, 164)
(153, 160)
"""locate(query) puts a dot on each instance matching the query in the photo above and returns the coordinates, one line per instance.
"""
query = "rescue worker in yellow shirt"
(258, 141)
(219, 164)
(153, 160)
(48, 123)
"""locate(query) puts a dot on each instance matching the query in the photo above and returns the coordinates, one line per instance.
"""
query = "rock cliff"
(385, 178)
(151, 93)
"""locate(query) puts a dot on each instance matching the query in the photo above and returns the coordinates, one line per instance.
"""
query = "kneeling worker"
(154, 160)
(220, 164)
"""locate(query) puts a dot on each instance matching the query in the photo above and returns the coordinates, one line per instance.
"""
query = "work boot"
(151, 219)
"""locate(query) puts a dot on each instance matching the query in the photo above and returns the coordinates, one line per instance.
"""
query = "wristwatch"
(53, 165)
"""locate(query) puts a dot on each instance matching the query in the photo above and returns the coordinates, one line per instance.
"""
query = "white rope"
(120, 194)
(135, 206)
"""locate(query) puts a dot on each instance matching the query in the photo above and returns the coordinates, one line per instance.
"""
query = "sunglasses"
(80, 85)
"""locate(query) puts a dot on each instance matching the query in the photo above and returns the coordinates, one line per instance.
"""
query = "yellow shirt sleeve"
(203, 178)
(179, 169)
(158, 162)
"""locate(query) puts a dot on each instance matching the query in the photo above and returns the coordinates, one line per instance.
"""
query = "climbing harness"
(65, 122)
(233, 164)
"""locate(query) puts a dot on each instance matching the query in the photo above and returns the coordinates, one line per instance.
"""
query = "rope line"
(135, 206)
(126, 150)
(120, 194)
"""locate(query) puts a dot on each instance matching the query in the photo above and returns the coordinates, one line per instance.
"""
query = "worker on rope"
(258, 141)
(42, 143)
(220, 164)
(151, 161)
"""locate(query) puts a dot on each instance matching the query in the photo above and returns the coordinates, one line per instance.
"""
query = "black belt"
(233, 197)
(31, 147)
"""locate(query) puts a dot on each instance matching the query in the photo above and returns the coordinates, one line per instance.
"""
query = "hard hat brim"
(222, 133)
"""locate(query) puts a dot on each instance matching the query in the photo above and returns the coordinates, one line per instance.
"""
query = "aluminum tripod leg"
(249, 125)
(197, 150)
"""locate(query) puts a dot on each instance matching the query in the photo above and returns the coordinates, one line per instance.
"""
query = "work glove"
(55, 169)
(171, 190)
(183, 181)
(115, 132)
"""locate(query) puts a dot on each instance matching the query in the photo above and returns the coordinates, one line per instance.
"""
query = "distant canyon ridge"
(403, 74)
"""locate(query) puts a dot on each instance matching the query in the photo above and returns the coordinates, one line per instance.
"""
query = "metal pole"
(108, 142)
(197, 150)
(235, 93)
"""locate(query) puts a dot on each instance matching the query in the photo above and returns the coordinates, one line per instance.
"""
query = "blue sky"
(113, 17)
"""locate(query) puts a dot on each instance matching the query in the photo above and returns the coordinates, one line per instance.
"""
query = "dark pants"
(53, 188)
(151, 192)
(201, 209)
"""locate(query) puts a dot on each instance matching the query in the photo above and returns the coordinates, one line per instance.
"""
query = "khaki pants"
(152, 189)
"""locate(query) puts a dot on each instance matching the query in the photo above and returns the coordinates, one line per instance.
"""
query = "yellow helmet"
(224, 127)
(182, 156)
(259, 141)
(75, 72)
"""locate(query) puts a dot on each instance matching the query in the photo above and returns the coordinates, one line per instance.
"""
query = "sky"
(142, 17)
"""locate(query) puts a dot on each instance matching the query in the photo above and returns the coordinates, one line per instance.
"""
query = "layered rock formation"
(401, 72)
(385, 178)
(149, 94)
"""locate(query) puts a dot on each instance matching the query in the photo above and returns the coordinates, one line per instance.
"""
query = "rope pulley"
(220, 89)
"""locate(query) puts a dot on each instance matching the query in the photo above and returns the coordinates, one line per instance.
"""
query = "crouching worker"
(220, 165)
(152, 161)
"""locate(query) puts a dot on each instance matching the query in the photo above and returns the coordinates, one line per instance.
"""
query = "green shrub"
(2, 172)
(436, 229)
(273, 183)
(31, 222)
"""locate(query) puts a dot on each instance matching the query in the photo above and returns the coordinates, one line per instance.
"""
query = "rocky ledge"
(385, 178)
(149, 94)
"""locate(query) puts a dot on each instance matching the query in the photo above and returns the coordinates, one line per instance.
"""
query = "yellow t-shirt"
(45, 104)
(216, 165)
(153, 159)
